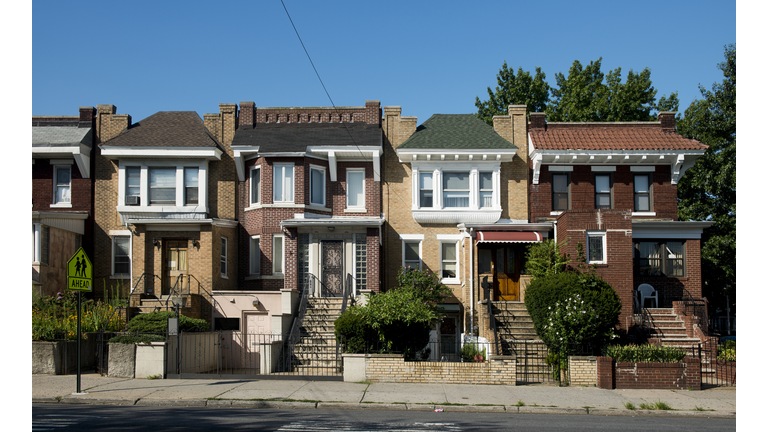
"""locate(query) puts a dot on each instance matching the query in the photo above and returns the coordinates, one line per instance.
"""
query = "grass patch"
(659, 405)
(363, 382)
(520, 403)
(154, 377)
(630, 406)
(587, 407)
(488, 405)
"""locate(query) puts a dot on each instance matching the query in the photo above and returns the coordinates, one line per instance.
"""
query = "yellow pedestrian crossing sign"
(79, 272)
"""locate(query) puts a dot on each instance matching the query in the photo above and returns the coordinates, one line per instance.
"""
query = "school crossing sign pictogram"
(79, 272)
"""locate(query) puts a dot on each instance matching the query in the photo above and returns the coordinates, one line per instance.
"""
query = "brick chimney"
(373, 112)
(246, 113)
(667, 120)
(538, 121)
(87, 116)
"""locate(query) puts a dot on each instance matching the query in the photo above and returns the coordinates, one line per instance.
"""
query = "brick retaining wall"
(392, 368)
(582, 370)
(685, 375)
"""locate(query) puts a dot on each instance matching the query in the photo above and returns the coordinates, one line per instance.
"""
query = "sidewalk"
(275, 393)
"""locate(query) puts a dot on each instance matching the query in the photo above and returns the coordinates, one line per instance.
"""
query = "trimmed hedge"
(157, 322)
(645, 354)
(131, 339)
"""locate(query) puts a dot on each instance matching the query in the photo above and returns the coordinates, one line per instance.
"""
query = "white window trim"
(454, 240)
(282, 258)
(144, 165)
(253, 252)
(56, 168)
(411, 238)
(114, 235)
(359, 208)
(323, 172)
(224, 258)
(602, 235)
(290, 199)
(438, 213)
(250, 185)
(184, 182)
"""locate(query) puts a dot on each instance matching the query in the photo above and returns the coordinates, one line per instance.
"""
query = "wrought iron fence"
(718, 362)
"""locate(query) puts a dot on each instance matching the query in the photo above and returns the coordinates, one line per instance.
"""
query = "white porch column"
(37, 249)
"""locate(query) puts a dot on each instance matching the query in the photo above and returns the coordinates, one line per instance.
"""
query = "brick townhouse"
(456, 203)
(62, 200)
(165, 211)
(612, 187)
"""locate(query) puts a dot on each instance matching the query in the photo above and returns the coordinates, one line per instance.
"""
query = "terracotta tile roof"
(610, 136)
(166, 129)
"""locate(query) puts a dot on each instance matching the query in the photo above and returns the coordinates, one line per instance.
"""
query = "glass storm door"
(332, 263)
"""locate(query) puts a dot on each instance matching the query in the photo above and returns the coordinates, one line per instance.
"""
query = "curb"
(551, 410)
(97, 401)
(172, 402)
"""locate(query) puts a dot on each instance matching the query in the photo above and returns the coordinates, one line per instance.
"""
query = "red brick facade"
(685, 375)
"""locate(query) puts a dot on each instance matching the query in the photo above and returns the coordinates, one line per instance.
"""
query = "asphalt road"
(132, 418)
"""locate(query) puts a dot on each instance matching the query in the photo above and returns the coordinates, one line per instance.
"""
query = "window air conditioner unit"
(132, 200)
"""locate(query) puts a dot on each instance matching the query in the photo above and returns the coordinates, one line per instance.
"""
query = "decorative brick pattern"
(391, 368)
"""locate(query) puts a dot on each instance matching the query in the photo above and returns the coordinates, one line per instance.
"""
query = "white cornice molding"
(669, 229)
(455, 155)
(241, 154)
(210, 153)
(441, 216)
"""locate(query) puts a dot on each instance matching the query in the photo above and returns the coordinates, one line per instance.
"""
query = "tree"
(522, 89)
(583, 96)
(707, 191)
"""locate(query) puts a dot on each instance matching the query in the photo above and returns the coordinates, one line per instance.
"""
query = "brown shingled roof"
(610, 136)
(166, 129)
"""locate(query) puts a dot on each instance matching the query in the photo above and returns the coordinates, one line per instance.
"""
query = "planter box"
(354, 367)
(150, 360)
(122, 360)
(60, 357)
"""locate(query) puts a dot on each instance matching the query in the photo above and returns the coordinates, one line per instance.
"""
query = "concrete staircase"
(315, 353)
(514, 327)
(513, 323)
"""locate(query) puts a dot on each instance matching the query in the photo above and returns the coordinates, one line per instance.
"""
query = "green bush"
(131, 339)
(157, 322)
(471, 353)
(351, 329)
(544, 259)
(645, 354)
(727, 351)
(548, 297)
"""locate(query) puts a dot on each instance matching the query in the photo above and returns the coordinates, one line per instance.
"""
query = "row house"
(62, 200)
(456, 202)
(612, 187)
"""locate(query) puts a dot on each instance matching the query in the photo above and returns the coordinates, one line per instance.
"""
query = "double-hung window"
(602, 191)
(412, 251)
(317, 185)
(596, 247)
(449, 258)
(132, 185)
(255, 185)
(162, 186)
(456, 189)
(63, 184)
(642, 192)
(121, 256)
(282, 183)
(224, 257)
(486, 190)
(191, 177)
(255, 256)
(426, 190)
(356, 189)
(660, 258)
(560, 188)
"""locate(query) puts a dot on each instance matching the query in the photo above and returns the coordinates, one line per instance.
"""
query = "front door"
(332, 263)
(499, 268)
(175, 265)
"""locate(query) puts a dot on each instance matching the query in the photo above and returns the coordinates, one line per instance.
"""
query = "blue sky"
(426, 56)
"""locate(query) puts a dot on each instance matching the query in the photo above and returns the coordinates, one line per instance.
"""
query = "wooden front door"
(174, 265)
(333, 267)
(499, 268)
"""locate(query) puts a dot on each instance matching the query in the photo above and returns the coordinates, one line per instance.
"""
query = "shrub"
(157, 322)
(131, 339)
(549, 299)
(471, 353)
(644, 354)
(351, 329)
(544, 259)
(55, 317)
(727, 351)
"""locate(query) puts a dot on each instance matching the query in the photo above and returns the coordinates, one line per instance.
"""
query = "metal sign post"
(79, 278)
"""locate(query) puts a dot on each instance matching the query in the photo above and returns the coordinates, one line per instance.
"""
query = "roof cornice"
(114, 152)
(455, 155)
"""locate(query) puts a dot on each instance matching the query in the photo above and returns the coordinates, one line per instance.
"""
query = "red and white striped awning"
(508, 237)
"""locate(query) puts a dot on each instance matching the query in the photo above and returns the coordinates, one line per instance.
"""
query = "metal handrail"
(492, 317)
(645, 323)
(298, 319)
(698, 311)
(133, 293)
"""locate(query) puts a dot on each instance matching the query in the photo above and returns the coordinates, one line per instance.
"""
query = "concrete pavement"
(282, 393)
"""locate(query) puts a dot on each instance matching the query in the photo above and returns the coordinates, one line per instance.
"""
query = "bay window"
(255, 185)
(255, 256)
(316, 185)
(132, 185)
(425, 190)
(456, 189)
(191, 185)
(486, 190)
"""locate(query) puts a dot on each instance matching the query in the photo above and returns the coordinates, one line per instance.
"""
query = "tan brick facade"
(391, 368)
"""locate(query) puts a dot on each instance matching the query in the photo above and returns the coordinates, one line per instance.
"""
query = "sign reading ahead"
(79, 272)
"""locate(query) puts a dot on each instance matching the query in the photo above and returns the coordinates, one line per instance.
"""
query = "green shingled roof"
(455, 131)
